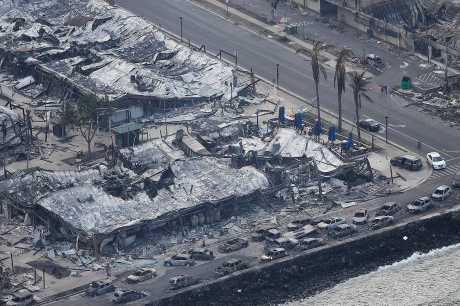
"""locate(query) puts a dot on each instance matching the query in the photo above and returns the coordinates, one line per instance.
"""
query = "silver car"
(441, 193)
(180, 260)
(420, 205)
(142, 275)
(99, 288)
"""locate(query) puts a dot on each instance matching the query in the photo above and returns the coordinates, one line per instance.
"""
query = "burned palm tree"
(317, 68)
(358, 84)
(340, 76)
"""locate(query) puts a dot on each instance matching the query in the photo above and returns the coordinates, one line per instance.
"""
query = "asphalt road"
(255, 51)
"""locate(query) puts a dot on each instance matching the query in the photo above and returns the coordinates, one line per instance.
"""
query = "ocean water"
(431, 279)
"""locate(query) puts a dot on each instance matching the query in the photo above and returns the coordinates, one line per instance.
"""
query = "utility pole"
(226, 3)
(181, 26)
(277, 75)
(386, 129)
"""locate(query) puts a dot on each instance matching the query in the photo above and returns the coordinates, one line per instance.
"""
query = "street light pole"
(386, 129)
(226, 2)
(181, 23)
(278, 75)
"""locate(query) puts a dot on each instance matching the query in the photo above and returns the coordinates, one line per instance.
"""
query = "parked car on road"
(310, 243)
(436, 161)
(230, 266)
(182, 281)
(125, 296)
(456, 181)
(420, 205)
(233, 245)
(201, 254)
(409, 162)
(330, 222)
(142, 275)
(273, 254)
(342, 230)
(370, 124)
(441, 193)
(375, 61)
(180, 260)
(388, 209)
(360, 217)
(99, 288)
(381, 221)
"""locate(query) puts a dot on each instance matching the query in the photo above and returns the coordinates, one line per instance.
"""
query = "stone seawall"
(321, 268)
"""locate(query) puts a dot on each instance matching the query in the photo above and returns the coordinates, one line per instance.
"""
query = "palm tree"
(340, 76)
(317, 67)
(358, 84)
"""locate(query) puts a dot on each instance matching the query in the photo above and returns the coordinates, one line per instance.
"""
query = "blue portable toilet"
(350, 141)
(317, 130)
(281, 115)
(298, 121)
(332, 135)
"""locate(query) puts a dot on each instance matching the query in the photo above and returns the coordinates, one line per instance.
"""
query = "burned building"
(84, 204)
(105, 51)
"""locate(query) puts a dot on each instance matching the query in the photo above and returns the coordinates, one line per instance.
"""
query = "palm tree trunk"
(356, 98)
(339, 125)
(318, 109)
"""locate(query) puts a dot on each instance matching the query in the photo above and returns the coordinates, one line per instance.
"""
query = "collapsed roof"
(288, 144)
(155, 155)
(86, 207)
(107, 51)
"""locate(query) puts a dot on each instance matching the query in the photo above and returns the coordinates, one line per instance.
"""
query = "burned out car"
(180, 260)
(233, 245)
(182, 281)
(201, 254)
(341, 230)
(388, 209)
(141, 275)
(408, 162)
(230, 266)
(99, 288)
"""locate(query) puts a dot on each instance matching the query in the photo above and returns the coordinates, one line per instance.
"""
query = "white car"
(441, 193)
(436, 161)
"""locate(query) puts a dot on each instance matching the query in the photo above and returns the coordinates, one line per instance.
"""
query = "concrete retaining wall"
(324, 267)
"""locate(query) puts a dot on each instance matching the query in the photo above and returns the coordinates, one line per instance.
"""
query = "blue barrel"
(298, 121)
(281, 115)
